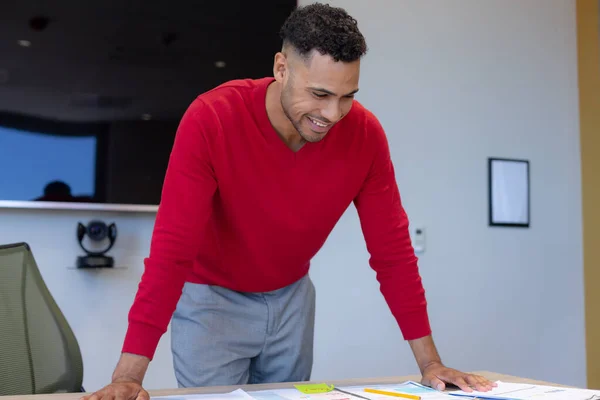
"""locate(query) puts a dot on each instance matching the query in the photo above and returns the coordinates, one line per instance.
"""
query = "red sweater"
(239, 209)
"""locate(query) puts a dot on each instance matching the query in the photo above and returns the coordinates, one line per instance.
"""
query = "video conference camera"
(97, 231)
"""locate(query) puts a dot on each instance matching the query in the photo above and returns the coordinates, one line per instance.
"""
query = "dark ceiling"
(91, 60)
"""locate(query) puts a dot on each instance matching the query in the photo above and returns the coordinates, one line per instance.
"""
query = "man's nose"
(332, 112)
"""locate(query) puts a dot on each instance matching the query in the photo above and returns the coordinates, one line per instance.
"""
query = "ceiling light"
(220, 64)
(24, 43)
(146, 117)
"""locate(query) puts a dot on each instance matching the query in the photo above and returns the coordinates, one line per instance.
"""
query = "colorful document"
(521, 391)
(325, 392)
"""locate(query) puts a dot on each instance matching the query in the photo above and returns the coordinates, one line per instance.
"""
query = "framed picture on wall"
(509, 194)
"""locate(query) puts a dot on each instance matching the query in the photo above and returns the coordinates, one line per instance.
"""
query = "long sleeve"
(185, 206)
(385, 227)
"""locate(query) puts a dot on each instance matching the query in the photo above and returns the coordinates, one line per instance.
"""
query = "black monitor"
(91, 92)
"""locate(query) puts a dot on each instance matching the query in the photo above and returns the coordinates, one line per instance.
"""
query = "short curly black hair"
(329, 30)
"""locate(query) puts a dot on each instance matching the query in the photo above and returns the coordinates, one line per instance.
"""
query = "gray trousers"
(223, 337)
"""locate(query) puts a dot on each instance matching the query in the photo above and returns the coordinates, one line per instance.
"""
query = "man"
(260, 173)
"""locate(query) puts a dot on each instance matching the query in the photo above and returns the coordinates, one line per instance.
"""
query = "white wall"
(452, 83)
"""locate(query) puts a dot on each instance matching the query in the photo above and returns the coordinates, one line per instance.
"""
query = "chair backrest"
(38, 350)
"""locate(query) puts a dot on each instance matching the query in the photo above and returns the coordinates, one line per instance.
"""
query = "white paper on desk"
(238, 394)
(524, 391)
(426, 393)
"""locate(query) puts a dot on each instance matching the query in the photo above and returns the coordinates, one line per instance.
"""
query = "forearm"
(425, 352)
(131, 367)
(185, 210)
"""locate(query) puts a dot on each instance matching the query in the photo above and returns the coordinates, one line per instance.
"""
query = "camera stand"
(92, 261)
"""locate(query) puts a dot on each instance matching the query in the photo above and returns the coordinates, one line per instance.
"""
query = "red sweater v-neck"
(239, 209)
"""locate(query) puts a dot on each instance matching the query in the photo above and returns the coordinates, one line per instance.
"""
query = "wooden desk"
(224, 389)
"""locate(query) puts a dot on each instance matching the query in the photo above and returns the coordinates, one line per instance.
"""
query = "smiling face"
(316, 91)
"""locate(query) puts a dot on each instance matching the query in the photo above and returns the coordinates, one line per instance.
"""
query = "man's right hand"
(120, 390)
(126, 380)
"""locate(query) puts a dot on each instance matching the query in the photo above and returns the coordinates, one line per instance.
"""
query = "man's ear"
(280, 66)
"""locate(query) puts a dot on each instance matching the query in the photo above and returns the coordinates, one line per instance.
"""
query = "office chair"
(38, 350)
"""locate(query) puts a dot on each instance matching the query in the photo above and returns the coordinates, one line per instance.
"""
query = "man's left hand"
(437, 376)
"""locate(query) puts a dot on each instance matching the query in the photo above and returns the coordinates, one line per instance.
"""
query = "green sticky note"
(314, 388)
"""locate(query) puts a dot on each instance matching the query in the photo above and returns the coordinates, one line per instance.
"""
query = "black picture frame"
(509, 192)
